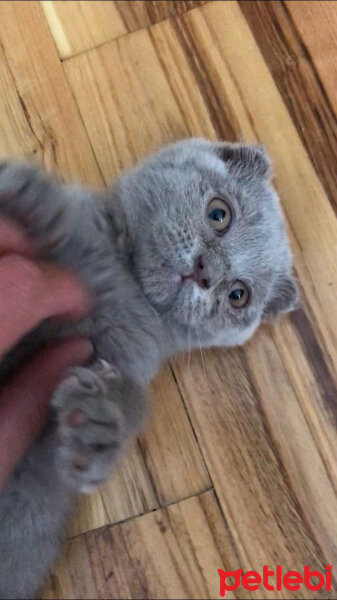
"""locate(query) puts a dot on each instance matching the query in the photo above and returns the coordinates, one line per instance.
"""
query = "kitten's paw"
(34, 200)
(90, 425)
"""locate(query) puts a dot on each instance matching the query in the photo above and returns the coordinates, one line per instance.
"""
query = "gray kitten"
(187, 248)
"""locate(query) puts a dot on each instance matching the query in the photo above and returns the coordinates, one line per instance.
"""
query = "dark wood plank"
(139, 14)
(296, 78)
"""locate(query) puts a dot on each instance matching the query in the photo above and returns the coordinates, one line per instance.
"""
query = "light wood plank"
(171, 553)
(292, 435)
(81, 25)
(35, 98)
(245, 435)
(128, 88)
(15, 135)
(317, 25)
(166, 464)
(78, 26)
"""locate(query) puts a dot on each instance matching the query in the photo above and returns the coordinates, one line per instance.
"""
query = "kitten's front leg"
(97, 410)
(36, 201)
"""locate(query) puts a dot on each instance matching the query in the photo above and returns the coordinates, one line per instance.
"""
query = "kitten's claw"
(90, 425)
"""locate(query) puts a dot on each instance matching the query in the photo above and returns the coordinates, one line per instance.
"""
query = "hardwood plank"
(124, 78)
(142, 13)
(81, 25)
(78, 26)
(317, 25)
(313, 382)
(15, 134)
(168, 466)
(268, 475)
(293, 439)
(170, 553)
(256, 444)
(39, 116)
(127, 493)
(296, 78)
(163, 466)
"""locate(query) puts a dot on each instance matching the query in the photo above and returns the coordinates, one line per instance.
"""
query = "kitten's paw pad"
(90, 425)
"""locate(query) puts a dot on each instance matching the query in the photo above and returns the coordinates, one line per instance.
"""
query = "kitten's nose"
(200, 274)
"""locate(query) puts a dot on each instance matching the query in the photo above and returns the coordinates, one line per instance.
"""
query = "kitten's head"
(207, 238)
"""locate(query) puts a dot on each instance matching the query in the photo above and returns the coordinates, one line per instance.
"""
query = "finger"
(13, 239)
(31, 291)
(24, 399)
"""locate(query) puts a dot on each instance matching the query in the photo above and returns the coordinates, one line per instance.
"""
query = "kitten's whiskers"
(201, 353)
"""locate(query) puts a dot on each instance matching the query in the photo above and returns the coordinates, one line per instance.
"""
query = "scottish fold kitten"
(188, 248)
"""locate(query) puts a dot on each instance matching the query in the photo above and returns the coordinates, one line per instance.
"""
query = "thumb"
(24, 399)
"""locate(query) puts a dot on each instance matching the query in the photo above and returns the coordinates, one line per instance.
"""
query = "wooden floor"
(238, 468)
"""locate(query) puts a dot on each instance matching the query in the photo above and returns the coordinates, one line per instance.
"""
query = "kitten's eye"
(239, 294)
(219, 215)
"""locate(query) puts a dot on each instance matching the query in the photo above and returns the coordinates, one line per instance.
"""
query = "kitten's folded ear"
(250, 160)
(284, 299)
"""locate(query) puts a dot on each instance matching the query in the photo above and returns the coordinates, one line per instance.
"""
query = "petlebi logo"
(275, 579)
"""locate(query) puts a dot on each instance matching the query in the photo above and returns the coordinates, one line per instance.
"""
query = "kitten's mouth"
(196, 276)
(180, 279)
(179, 283)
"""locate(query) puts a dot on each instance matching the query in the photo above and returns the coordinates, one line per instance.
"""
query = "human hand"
(31, 291)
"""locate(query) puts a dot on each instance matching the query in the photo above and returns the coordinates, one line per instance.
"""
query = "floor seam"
(147, 512)
(124, 35)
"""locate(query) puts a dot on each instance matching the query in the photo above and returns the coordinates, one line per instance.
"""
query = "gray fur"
(131, 248)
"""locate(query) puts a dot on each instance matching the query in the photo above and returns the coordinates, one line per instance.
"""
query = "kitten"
(187, 248)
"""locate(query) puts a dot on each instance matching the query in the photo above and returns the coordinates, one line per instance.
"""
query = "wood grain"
(170, 553)
(303, 90)
(266, 117)
(317, 26)
(272, 124)
(279, 480)
(123, 89)
(252, 465)
(79, 26)
(36, 99)
(141, 13)
(164, 465)
(256, 424)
